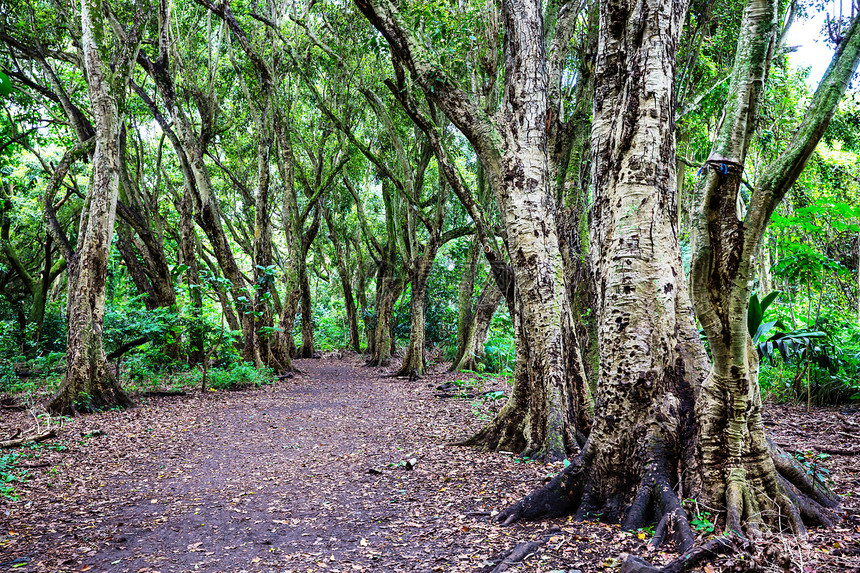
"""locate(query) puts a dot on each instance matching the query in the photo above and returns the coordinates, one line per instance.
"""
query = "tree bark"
(740, 469)
(89, 384)
(650, 357)
(307, 349)
(413, 362)
(389, 285)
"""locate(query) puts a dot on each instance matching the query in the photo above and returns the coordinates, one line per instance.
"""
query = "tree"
(741, 469)
(658, 420)
(512, 148)
(89, 384)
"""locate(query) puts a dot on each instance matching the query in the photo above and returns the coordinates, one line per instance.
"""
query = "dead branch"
(29, 439)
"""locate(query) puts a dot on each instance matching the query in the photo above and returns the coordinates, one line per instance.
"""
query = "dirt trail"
(264, 483)
(304, 475)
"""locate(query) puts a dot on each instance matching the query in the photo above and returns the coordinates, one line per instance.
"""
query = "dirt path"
(304, 475)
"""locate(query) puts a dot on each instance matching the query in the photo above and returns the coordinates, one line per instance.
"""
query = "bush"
(236, 376)
(500, 353)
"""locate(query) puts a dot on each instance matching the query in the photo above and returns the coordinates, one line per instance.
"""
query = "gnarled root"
(499, 435)
(812, 496)
(377, 361)
(568, 492)
(690, 558)
(655, 490)
(559, 497)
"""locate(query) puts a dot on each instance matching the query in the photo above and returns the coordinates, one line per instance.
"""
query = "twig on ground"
(29, 439)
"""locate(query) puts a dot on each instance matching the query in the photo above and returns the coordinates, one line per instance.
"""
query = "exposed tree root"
(408, 371)
(796, 474)
(656, 492)
(521, 551)
(516, 555)
(797, 500)
(839, 451)
(101, 397)
(378, 362)
(690, 558)
(502, 434)
(561, 496)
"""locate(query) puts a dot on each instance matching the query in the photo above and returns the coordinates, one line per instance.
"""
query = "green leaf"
(5, 84)
(763, 329)
(754, 315)
(765, 302)
(178, 270)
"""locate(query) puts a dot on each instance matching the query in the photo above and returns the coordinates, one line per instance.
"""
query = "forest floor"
(313, 473)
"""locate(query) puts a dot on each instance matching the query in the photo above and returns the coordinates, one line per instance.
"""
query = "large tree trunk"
(89, 384)
(361, 291)
(351, 312)
(740, 469)
(307, 349)
(658, 421)
(535, 421)
(650, 355)
(266, 347)
(389, 285)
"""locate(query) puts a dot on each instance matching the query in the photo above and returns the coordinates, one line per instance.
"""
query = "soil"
(341, 468)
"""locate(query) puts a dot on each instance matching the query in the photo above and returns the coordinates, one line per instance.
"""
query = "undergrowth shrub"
(236, 376)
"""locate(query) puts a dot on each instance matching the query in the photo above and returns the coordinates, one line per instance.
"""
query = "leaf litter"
(340, 469)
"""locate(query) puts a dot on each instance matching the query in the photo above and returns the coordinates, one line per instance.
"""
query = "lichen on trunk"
(89, 385)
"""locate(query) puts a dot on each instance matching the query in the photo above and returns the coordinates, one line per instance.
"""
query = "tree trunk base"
(799, 501)
(466, 363)
(378, 361)
(506, 433)
(413, 366)
(106, 396)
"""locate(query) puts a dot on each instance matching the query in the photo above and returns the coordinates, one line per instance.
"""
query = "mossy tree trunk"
(661, 421)
(37, 286)
(740, 469)
(89, 384)
(512, 148)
